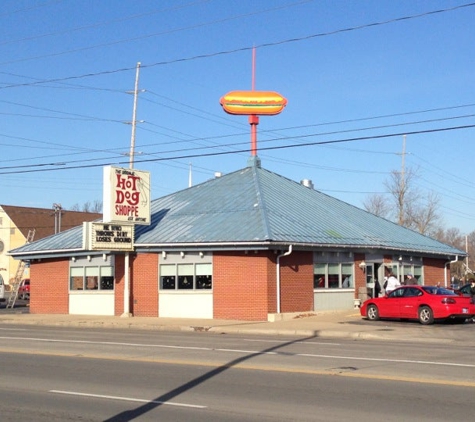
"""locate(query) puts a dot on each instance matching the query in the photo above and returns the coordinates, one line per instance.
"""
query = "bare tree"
(406, 205)
(377, 204)
(95, 207)
(403, 194)
(455, 238)
(423, 217)
(470, 247)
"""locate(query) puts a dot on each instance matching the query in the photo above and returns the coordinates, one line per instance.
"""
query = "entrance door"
(370, 279)
(2, 288)
(373, 274)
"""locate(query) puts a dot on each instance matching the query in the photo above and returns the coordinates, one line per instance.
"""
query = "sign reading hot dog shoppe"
(126, 196)
(117, 237)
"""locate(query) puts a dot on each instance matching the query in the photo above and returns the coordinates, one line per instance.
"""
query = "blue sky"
(349, 69)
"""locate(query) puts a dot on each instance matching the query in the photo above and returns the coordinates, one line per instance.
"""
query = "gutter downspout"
(445, 268)
(278, 275)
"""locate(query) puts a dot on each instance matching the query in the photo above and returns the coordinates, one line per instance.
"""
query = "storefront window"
(168, 277)
(92, 278)
(418, 274)
(333, 275)
(347, 276)
(319, 276)
(186, 276)
(203, 276)
(76, 279)
(87, 278)
(107, 278)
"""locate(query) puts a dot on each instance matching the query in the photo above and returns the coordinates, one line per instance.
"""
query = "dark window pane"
(203, 282)
(185, 282)
(168, 282)
(107, 283)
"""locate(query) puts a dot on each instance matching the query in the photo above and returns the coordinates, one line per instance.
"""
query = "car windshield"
(440, 291)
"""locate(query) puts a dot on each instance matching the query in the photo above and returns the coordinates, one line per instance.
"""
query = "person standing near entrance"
(472, 288)
(392, 283)
(410, 279)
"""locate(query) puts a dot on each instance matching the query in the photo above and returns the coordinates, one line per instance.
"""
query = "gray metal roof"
(256, 206)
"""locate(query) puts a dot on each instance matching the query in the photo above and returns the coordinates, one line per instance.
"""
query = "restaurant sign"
(110, 236)
(126, 196)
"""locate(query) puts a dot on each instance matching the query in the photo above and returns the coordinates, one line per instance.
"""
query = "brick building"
(21, 224)
(246, 245)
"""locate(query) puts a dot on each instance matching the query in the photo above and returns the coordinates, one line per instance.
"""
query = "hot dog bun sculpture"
(261, 103)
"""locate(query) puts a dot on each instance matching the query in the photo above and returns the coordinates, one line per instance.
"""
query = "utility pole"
(127, 292)
(134, 117)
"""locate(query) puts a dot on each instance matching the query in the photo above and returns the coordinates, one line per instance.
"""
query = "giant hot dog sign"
(266, 103)
(126, 196)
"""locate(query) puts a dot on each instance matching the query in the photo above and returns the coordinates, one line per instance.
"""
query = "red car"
(423, 303)
(24, 289)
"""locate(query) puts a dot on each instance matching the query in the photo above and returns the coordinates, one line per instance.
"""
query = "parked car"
(423, 303)
(464, 290)
(24, 289)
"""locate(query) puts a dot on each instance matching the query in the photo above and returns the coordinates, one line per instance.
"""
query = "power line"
(242, 49)
(363, 138)
(83, 150)
(127, 40)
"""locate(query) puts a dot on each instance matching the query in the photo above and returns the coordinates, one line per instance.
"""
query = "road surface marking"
(100, 396)
(242, 351)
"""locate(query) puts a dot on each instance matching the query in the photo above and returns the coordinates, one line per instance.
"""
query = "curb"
(319, 333)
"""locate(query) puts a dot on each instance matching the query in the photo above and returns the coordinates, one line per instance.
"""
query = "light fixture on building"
(164, 255)
(89, 258)
(362, 265)
(202, 254)
(104, 257)
(73, 259)
(182, 254)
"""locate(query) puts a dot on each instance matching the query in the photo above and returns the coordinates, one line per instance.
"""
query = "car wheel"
(372, 313)
(426, 316)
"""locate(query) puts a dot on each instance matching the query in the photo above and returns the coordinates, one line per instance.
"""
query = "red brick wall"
(144, 281)
(244, 285)
(241, 285)
(296, 282)
(360, 275)
(119, 284)
(434, 271)
(49, 287)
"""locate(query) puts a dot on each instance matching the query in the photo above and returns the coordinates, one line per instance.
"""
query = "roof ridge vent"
(254, 161)
(307, 183)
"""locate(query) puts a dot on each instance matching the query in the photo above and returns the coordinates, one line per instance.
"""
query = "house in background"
(21, 224)
(249, 245)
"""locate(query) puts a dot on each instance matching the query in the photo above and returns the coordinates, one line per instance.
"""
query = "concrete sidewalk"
(330, 324)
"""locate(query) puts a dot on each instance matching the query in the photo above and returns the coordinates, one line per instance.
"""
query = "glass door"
(370, 279)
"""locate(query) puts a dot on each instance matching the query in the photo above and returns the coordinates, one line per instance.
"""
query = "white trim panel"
(91, 304)
(185, 305)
